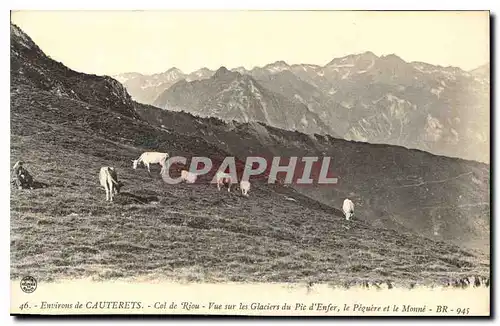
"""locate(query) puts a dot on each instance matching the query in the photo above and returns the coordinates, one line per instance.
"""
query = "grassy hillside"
(394, 187)
(189, 232)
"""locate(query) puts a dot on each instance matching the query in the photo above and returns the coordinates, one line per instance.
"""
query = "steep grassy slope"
(189, 232)
(30, 66)
(435, 196)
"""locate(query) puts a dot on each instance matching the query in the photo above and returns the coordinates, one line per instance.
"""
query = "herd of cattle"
(109, 178)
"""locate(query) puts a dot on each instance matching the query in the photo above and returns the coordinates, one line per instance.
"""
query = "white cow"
(223, 178)
(109, 180)
(189, 177)
(245, 187)
(148, 158)
(348, 208)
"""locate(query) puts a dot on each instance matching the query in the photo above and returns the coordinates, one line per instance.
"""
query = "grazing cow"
(22, 178)
(348, 208)
(224, 178)
(148, 158)
(245, 187)
(188, 177)
(109, 180)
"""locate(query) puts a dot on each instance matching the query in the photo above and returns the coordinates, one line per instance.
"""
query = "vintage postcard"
(272, 163)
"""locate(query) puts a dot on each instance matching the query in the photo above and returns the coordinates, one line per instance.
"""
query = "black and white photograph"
(250, 162)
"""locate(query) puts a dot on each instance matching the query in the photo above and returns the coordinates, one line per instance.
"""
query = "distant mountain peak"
(240, 70)
(172, 74)
(201, 73)
(368, 54)
(277, 66)
(223, 72)
(174, 69)
(392, 57)
(361, 61)
(278, 63)
(481, 71)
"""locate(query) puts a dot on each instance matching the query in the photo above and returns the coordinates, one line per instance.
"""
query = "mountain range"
(362, 97)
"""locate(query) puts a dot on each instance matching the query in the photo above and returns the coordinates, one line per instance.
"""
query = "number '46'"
(23, 306)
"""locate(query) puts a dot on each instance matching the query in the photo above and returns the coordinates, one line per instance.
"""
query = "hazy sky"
(111, 42)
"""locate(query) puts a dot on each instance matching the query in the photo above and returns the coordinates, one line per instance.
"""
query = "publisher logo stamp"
(28, 284)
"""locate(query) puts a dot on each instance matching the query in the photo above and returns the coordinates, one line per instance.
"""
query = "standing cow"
(148, 158)
(109, 180)
(245, 187)
(348, 208)
(224, 178)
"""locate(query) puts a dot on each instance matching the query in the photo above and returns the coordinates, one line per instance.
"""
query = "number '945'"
(462, 311)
